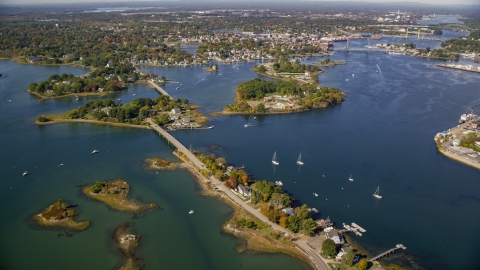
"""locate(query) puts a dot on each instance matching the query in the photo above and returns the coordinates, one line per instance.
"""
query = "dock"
(354, 228)
(388, 252)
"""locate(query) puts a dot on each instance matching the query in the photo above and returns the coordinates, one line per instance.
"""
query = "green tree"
(362, 264)
(262, 69)
(261, 107)
(308, 226)
(349, 257)
(329, 249)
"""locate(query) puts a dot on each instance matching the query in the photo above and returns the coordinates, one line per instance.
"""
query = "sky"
(441, 2)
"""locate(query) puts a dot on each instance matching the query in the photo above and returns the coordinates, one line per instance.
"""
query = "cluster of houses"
(181, 121)
(279, 102)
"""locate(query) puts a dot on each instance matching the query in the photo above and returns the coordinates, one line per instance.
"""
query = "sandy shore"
(61, 121)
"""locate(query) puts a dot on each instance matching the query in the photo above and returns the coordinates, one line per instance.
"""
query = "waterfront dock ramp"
(390, 251)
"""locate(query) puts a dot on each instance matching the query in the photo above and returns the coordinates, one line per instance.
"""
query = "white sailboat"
(377, 193)
(350, 178)
(274, 159)
(299, 160)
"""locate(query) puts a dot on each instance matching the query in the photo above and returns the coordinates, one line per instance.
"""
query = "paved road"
(320, 262)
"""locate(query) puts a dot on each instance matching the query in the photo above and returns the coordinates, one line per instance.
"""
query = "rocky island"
(115, 194)
(127, 242)
(155, 163)
(60, 214)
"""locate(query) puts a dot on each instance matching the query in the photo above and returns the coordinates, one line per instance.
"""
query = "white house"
(243, 190)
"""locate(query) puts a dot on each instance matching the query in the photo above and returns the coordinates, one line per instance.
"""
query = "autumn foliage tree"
(362, 264)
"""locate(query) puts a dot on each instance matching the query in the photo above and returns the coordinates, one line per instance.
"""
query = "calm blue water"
(167, 235)
(382, 135)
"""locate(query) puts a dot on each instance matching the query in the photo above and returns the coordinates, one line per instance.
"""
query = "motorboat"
(94, 151)
(25, 173)
(191, 212)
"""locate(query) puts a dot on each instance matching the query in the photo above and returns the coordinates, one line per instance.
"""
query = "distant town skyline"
(433, 2)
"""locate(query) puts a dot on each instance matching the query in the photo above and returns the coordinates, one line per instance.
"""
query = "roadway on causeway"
(195, 161)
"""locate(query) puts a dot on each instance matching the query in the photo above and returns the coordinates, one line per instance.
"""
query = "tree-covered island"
(60, 214)
(173, 114)
(115, 194)
(262, 96)
(101, 81)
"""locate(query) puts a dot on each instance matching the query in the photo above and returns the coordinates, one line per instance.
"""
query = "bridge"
(390, 251)
(322, 265)
(159, 89)
(155, 86)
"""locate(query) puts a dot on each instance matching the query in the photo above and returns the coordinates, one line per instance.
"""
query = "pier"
(354, 228)
(390, 251)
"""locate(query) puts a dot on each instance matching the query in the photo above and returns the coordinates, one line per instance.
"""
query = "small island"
(155, 163)
(127, 242)
(60, 214)
(172, 114)
(329, 63)
(115, 194)
(212, 68)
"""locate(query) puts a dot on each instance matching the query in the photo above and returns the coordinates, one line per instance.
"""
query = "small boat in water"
(248, 125)
(350, 178)
(25, 173)
(210, 127)
(279, 183)
(377, 193)
(191, 212)
(316, 195)
(299, 160)
(274, 159)
(61, 164)
(254, 118)
(94, 151)
(177, 88)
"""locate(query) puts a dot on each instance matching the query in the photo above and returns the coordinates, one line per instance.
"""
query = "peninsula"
(127, 242)
(115, 195)
(60, 214)
(461, 143)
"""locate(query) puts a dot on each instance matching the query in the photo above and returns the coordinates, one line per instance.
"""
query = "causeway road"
(194, 160)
